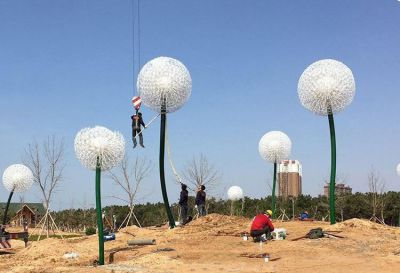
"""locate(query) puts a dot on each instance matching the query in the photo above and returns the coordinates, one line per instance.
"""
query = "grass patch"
(35, 237)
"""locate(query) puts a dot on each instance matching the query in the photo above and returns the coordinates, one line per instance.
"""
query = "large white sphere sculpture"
(99, 142)
(398, 169)
(164, 78)
(275, 146)
(18, 178)
(235, 193)
(326, 86)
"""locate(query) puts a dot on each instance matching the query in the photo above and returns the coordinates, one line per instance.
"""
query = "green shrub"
(90, 231)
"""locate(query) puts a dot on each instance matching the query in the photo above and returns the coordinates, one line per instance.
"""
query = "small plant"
(90, 231)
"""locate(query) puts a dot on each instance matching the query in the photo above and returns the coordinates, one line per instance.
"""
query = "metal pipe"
(161, 164)
(141, 242)
(7, 205)
(273, 191)
(98, 212)
(332, 213)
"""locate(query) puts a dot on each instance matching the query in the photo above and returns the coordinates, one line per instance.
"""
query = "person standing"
(201, 200)
(137, 122)
(183, 203)
(261, 226)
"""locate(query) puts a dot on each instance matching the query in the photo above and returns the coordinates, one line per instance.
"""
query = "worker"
(137, 121)
(304, 216)
(261, 226)
(201, 200)
(183, 203)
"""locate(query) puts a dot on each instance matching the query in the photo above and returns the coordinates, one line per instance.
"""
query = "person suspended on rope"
(201, 200)
(137, 122)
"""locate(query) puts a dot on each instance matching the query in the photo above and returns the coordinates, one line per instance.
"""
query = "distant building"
(339, 189)
(289, 178)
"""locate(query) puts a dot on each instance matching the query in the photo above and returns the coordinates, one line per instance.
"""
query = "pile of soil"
(213, 244)
(362, 224)
(218, 225)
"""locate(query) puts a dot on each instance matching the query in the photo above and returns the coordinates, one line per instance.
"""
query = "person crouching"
(261, 226)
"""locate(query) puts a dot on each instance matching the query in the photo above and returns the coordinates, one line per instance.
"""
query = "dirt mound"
(356, 223)
(218, 225)
(209, 244)
(129, 229)
(216, 219)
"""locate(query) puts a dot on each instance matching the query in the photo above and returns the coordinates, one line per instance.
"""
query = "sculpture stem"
(6, 210)
(162, 173)
(99, 214)
(332, 212)
(273, 192)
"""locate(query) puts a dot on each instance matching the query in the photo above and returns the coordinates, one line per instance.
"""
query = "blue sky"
(68, 64)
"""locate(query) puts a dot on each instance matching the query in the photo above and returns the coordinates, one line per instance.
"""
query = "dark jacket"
(183, 199)
(137, 120)
(200, 198)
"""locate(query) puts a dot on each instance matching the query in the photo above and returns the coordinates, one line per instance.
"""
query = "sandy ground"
(214, 244)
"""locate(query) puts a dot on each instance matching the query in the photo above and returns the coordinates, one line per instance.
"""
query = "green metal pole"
(162, 172)
(273, 192)
(333, 171)
(98, 212)
(399, 220)
(6, 210)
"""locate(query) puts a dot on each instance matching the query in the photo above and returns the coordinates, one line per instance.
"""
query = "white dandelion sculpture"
(327, 87)
(99, 149)
(398, 169)
(274, 146)
(16, 178)
(164, 84)
(235, 193)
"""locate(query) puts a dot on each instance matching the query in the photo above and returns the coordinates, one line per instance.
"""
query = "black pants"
(134, 133)
(258, 233)
(202, 210)
(184, 213)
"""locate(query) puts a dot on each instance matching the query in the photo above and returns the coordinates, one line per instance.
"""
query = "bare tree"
(47, 164)
(376, 187)
(129, 177)
(199, 172)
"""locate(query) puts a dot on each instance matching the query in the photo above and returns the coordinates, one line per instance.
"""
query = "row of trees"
(358, 205)
(46, 161)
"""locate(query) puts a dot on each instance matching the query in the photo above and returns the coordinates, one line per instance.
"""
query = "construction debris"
(71, 255)
(140, 242)
(317, 233)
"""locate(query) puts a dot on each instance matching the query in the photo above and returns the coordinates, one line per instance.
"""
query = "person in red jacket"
(261, 225)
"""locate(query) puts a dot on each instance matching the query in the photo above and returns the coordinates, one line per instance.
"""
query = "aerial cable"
(138, 11)
(133, 47)
(135, 38)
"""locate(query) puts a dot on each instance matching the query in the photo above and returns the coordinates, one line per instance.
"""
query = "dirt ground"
(214, 244)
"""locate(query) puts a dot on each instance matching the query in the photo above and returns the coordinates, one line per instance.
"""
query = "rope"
(177, 177)
(148, 124)
(176, 174)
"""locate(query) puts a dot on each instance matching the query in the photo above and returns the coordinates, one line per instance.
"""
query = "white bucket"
(278, 234)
